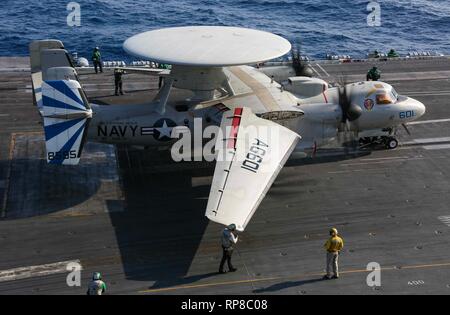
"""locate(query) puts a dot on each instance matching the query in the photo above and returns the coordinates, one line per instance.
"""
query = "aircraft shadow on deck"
(163, 224)
(36, 188)
(164, 220)
(159, 232)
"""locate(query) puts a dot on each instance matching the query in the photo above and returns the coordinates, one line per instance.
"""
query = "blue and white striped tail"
(66, 113)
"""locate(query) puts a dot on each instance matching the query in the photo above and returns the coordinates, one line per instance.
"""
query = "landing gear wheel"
(391, 143)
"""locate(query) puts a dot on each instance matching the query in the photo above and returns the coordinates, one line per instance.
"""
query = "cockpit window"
(384, 99)
(394, 95)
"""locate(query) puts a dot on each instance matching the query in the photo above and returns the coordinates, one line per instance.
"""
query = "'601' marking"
(407, 114)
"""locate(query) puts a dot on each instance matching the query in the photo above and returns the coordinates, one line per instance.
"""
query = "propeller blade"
(350, 114)
(350, 111)
(300, 67)
(344, 103)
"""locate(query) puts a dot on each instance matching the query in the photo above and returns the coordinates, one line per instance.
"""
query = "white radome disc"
(207, 46)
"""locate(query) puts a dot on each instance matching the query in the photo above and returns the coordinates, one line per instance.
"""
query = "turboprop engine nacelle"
(305, 87)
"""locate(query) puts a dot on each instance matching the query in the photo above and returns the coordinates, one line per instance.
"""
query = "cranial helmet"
(97, 276)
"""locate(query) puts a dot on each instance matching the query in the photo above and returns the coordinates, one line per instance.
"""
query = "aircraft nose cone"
(419, 108)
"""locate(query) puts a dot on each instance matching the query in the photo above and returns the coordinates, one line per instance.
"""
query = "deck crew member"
(393, 54)
(375, 54)
(118, 81)
(161, 79)
(97, 60)
(333, 246)
(228, 240)
(96, 286)
(374, 74)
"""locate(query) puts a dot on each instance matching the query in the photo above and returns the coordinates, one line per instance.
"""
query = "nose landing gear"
(389, 143)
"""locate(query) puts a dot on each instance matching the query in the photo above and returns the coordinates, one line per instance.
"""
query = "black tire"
(391, 143)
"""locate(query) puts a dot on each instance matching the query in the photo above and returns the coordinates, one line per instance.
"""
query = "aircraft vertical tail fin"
(66, 114)
(46, 54)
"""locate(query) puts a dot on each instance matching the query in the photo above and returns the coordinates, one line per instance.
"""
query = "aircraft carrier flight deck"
(142, 224)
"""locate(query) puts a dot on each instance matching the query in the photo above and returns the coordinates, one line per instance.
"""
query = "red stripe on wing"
(234, 128)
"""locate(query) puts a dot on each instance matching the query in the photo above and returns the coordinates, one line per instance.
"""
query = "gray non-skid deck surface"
(37, 188)
(385, 203)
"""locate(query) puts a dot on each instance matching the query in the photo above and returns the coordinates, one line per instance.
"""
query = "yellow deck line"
(194, 286)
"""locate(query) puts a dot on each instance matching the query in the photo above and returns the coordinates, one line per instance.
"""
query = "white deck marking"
(5, 115)
(96, 84)
(314, 69)
(387, 158)
(324, 71)
(431, 143)
(28, 88)
(440, 93)
(445, 219)
(361, 170)
(35, 271)
(423, 122)
(437, 147)
(427, 141)
(419, 92)
(395, 160)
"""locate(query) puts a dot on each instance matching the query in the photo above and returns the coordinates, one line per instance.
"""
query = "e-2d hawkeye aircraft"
(211, 63)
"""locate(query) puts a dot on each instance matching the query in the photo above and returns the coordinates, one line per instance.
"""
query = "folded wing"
(251, 151)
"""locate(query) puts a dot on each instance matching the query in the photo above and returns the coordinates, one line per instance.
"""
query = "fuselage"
(143, 125)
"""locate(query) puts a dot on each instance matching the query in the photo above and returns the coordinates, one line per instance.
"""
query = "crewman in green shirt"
(393, 54)
(97, 60)
(96, 286)
(373, 74)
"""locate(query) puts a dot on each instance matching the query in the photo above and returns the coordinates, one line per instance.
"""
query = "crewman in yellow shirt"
(333, 246)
